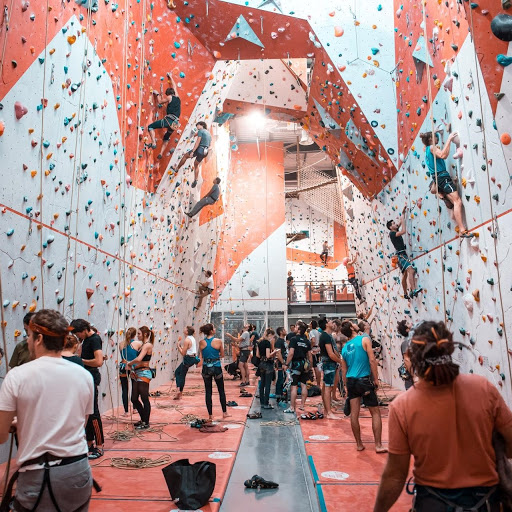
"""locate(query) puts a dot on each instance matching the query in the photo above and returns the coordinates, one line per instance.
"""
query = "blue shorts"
(329, 368)
(403, 261)
(200, 153)
(143, 375)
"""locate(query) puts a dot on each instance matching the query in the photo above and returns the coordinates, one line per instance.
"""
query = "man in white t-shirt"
(205, 288)
(51, 399)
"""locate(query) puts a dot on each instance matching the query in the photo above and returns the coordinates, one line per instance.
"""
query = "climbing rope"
(135, 463)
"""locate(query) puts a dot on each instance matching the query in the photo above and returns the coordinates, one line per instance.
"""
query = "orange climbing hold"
(2, 128)
(505, 139)
(338, 31)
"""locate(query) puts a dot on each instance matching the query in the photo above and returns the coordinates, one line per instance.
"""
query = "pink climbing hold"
(20, 110)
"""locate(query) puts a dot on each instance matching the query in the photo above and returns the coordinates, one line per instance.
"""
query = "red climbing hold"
(89, 292)
(20, 110)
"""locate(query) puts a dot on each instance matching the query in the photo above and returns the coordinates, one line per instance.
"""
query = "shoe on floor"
(95, 453)
(259, 482)
(142, 426)
(268, 406)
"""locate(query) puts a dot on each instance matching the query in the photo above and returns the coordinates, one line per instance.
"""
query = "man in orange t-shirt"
(352, 279)
(446, 421)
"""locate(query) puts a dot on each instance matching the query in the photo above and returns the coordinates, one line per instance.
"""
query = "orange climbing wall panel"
(254, 205)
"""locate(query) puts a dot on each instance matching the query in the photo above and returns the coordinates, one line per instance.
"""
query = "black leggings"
(123, 377)
(353, 281)
(141, 389)
(94, 427)
(208, 387)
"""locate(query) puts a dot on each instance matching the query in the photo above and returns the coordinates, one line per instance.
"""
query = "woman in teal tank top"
(212, 350)
(436, 165)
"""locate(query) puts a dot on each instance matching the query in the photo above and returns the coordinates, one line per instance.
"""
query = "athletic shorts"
(143, 375)
(403, 261)
(244, 355)
(445, 184)
(362, 388)
(329, 368)
(298, 373)
(165, 122)
(200, 153)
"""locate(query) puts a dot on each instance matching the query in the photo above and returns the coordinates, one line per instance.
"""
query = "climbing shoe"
(254, 415)
(257, 482)
(198, 423)
(142, 426)
(194, 183)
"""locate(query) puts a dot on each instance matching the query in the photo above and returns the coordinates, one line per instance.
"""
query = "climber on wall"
(352, 279)
(205, 288)
(324, 255)
(210, 198)
(199, 151)
(397, 230)
(172, 115)
(443, 183)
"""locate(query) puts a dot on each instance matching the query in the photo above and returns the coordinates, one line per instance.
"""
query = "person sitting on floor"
(172, 115)
(447, 422)
(210, 198)
(199, 151)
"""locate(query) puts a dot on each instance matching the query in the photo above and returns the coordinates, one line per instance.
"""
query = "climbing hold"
(503, 60)
(505, 139)
(338, 31)
(2, 128)
(501, 27)
(20, 110)
(89, 292)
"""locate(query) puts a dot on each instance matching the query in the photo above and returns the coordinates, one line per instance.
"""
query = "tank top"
(440, 164)
(211, 353)
(128, 353)
(356, 358)
(146, 358)
(351, 271)
(192, 351)
(174, 107)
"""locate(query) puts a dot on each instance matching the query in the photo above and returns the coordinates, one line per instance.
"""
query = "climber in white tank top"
(189, 352)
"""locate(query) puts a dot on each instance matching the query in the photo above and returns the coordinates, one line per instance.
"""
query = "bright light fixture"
(256, 120)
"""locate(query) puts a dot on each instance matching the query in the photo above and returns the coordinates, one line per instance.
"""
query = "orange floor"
(145, 489)
(343, 476)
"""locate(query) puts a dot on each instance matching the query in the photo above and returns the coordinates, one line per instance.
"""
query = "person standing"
(20, 354)
(397, 230)
(126, 353)
(141, 375)
(205, 288)
(69, 350)
(404, 329)
(212, 350)
(330, 360)
(299, 361)
(199, 151)
(314, 338)
(51, 400)
(92, 357)
(189, 352)
(360, 377)
(446, 422)
(280, 345)
(211, 197)
(266, 367)
(244, 341)
(292, 333)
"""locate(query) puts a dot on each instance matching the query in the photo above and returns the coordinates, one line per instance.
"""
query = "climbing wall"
(303, 256)
(93, 225)
(467, 282)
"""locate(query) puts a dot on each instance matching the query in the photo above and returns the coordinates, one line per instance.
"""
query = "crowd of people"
(448, 422)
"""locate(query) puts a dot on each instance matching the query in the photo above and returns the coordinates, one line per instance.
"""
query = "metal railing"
(319, 291)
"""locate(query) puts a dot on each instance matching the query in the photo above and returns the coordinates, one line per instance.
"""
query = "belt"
(48, 457)
(212, 360)
(190, 355)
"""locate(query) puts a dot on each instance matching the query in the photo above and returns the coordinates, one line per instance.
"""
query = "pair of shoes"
(95, 453)
(289, 411)
(309, 416)
(194, 183)
(254, 415)
(137, 424)
(142, 426)
(198, 423)
(232, 403)
(258, 482)
(245, 395)
(267, 406)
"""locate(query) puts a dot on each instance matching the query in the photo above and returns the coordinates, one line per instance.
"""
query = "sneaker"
(194, 183)
(268, 406)
(142, 426)
(95, 453)
(138, 424)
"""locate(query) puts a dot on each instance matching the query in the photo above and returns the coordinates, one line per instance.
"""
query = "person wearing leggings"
(212, 350)
(141, 375)
(92, 357)
(266, 355)
(189, 352)
(127, 353)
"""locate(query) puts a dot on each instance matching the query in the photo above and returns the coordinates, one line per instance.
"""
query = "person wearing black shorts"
(172, 115)
(359, 368)
(299, 361)
(199, 151)
(397, 230)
